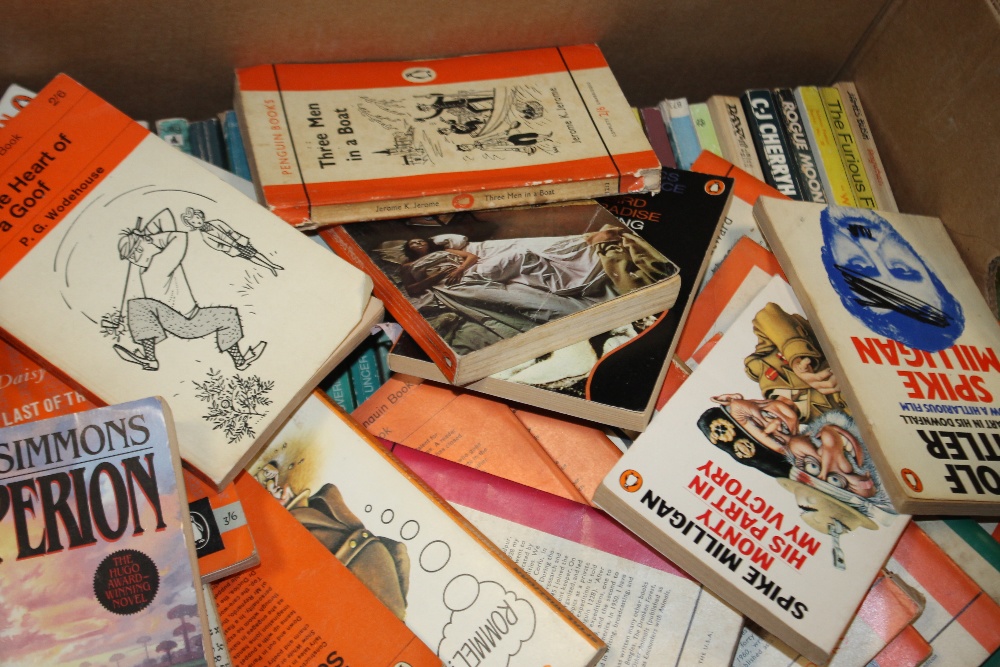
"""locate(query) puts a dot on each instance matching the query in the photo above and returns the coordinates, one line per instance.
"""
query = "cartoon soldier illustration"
(801, 432)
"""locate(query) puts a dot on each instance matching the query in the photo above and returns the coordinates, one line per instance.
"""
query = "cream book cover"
(911, 339)
(754, 479)
(340, 142)
(453, 588)
(133, 272)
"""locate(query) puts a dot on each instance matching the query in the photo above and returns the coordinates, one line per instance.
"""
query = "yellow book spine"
(841, 192)
(847, 147)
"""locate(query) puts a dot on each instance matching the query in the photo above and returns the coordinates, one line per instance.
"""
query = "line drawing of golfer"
(218, 235)
(157, 298)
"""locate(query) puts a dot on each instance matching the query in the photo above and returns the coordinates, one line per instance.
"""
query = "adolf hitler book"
(911, 340)
(482, 291)
(758, 483)
(615, 376)
(301, 606)
(132, 272)
(452, 587)
(340, 142)
(97, 558)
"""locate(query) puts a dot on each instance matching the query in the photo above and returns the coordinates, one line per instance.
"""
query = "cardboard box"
(926, 71)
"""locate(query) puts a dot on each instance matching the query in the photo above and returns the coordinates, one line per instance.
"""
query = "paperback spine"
(734, 137)
(684, 139)
(705, 128)
(847, 148)
(656, 132)
(866, 145)
(769, 139)
(800, 149)
(235, 151)
(838, 189)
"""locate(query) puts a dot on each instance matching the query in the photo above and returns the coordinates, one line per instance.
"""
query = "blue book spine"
(207, 142)
(382, 346)
(682, 130)
(364, 373)
(337, 385)
(235, 151)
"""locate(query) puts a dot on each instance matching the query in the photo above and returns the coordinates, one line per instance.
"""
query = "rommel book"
(302, 607)
(340, 142)
(97, 558)
(482, 291)
(912, 341)
(130, 271)
(615, 376)
(452, 587)
(755, 480)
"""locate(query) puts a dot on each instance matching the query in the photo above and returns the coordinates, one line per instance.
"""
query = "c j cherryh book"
(130, 271)
(97, 558)
(339, 142)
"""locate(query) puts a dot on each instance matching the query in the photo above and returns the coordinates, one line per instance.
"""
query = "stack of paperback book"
(657, 386)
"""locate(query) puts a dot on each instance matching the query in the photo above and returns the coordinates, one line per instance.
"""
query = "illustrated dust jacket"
(615, 376)
(132, 272)
(759, 485)
(481, 291)
(97, 559)
(301, 607)
(340, 142)
(453, 588)
(912, 340)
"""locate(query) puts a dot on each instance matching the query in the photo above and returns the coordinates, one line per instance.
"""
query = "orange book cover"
(960, 621)
(583, 451)
(473, 430)
(222, 536)
(29, 391)
(908, 649)
(457, 591)
(743, 273)
(339, 142)
(739, 222)
(301, 606)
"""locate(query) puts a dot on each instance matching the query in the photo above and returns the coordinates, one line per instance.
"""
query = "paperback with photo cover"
(614, 377)
(97, 558)
(340, 142)
(131, 272)
(754, 479)
(484, 290)
(453, 588)
(911, 339)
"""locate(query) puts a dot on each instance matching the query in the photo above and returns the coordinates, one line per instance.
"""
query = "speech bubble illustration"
(488, 623)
